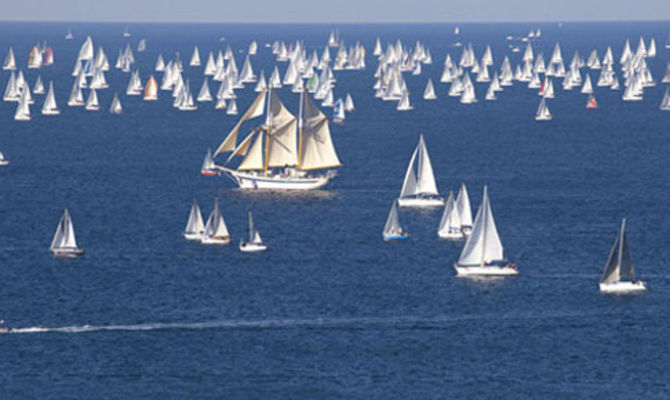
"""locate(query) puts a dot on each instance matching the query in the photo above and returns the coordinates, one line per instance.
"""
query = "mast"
(268, 122)
(300, 112)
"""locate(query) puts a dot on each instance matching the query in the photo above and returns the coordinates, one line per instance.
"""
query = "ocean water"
(331, 311)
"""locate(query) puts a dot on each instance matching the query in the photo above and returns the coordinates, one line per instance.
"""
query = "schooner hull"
(622, 287)
(482, 271)
(251, 180)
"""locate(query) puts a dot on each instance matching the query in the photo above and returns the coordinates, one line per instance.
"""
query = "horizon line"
(538, 21)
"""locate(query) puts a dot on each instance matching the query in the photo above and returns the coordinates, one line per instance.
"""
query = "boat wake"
(401, 321)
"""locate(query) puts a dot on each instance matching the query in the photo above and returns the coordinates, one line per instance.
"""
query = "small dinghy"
(618, 276)
(3, 160)
(64, 243)
(392, 228)
(483, 255)
(195, 229)
(543, 113)
(255, 243)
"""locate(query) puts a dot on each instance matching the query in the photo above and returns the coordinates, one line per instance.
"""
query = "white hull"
(485, 271)
(623, 287)
(252, 180)
(252, 247)
(450, 235)
(194, 236)
(4, 162)
(67, 252)
(215, 240)
(421, 202)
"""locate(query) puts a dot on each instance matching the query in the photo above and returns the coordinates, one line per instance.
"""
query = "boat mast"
(268, 123)
(621, 244)
(484, 216)
(300, 117)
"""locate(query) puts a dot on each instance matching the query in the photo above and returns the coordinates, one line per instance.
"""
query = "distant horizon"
(563, 21)
(347, 11)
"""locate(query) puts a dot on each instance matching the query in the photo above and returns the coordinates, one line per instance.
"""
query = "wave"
(407, 321)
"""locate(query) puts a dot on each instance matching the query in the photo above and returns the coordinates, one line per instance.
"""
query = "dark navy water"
(331, 311)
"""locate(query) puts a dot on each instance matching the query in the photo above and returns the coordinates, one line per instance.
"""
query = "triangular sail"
(316, 146)
(483, 245)
(392, 225)
(620, 262)
(194, 224)
(451, 220)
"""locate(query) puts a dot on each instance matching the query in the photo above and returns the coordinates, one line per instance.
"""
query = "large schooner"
(285, 152)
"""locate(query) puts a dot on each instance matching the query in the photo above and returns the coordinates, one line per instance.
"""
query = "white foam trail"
(295, 323)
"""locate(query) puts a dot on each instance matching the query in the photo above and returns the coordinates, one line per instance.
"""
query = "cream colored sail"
(316, 148)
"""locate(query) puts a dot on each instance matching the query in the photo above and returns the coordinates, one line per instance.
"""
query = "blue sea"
(331, 311)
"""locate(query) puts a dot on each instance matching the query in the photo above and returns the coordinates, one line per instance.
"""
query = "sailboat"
(404, 104)
(255, 243)
(50, 107)
(543, 113)
(39, 86)
(125, 32)
(142, 45)
(591, 102)
(483, 254)
(115, 107)
(204, 94)
(429, 93)
(92, 101)
(151, 89)
(216, 231)
(195, 229)
(64, 243)
(349, 104)
(464, 209)
(10, 61)
(69, 35)
(3, 160)
(618, 276)
(665, 103)
(338, 111)
(392, 228)
(208, 166)
(419, 188)
(295, 148)
(232, 108)
(450, 224)
(23, 108)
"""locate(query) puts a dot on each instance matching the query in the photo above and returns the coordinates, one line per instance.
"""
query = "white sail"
(10, 61)
(404, 103)
(349, 104)
(450, 223)
(483, 245)
(92, 101)
(204, 94)
(115, 107)
(194, 226)
(260, 85)
(429, 92)
(619, 264)
(421, 182)
(160, 64)
(392, 226)
(23, 107)
(464, 209)
(195, 58)
(64, 238)
(665, 103)
(49, 107)
(543, 113)
(39, 86)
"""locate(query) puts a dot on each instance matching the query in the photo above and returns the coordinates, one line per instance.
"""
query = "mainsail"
(483, 245)
(421, 182)
(620, 263)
